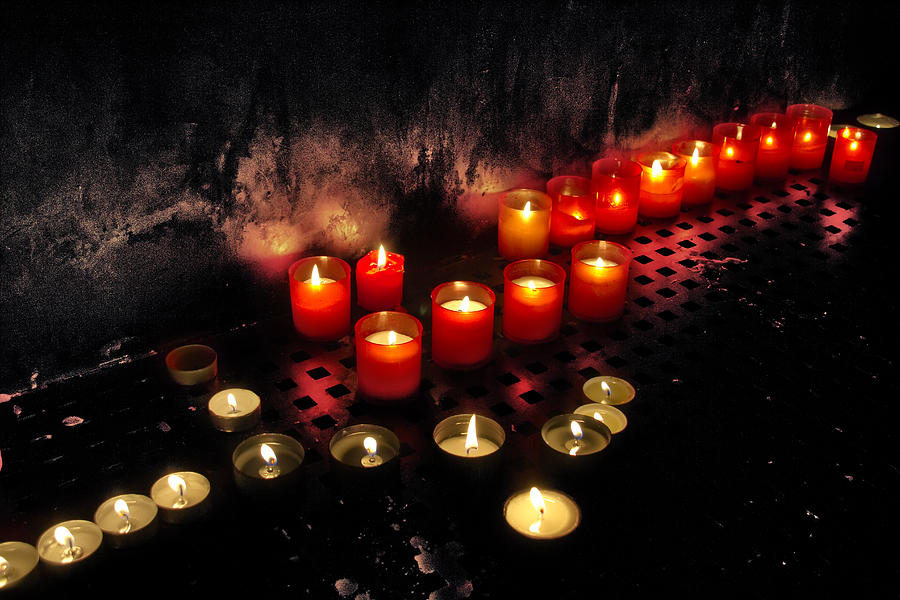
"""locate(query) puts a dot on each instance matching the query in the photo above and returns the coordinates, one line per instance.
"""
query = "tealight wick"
(270, 470)
(232, 403)
(178, 485)
(65, 538)
(371, 459)
(121, 508)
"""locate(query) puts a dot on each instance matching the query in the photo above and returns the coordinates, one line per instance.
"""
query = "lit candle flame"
(845, 132)
(526, 212)
(177, 484)
(268, 455)
(853, 145)
(537, 501)
(769, 141)
(617, 199)
(656, 170)
(602, 262)
(774, 125)
(314, 278)
(382, 257)
(858, 135)
(392, 338)
(577, 433)
(695, 157)
(578, 216)
(471, 436)
(464, 304)
(121, 508)
(598, 416)
(531, 284)
(740, 132)
(64, 537)
(729, 151)
(807, 136)
(371, 446)
(4, 567)
(232, 402)
(605, 387)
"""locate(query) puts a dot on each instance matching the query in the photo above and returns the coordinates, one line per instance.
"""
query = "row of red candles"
(389, 342)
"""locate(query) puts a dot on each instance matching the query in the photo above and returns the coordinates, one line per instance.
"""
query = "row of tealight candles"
(658, 184)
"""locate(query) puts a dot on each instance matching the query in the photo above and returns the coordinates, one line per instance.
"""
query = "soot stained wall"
(162, 164)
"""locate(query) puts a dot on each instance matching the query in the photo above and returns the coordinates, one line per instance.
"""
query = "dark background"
(162, 163)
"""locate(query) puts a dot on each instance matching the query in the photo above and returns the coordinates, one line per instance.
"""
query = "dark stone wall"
(163, 163)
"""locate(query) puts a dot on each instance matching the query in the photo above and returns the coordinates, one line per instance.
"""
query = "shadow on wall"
(161, 169)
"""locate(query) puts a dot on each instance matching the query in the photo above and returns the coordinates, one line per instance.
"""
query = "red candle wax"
(737, 159)
(699, 172)
(320, 297)
(662, 184)
(379, 280)
(597, 290)
(388, 356)
(533, 293)
(811, 123)
(572, 215)
(462, 324)
(852, 155)
(776, 137)
(616, 186)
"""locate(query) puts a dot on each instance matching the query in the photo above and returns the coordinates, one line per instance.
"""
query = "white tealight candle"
(464, 305)
(542, 514)
(69, 542)
(17, 560)
(610, 416)
(126, 518)
(466, 443)
(234, 409)
(575, 435)
(388, 338)
(180, 496)
(599, 262)
(607, 389)
(534, 282)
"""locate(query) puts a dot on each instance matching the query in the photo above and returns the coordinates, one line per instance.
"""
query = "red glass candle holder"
(852, 155)
(700, 170)
(523, 227)
(388, 356)
(662, 184)
(533, 293)
(776, 137)
(616, 186)
(379, 287)
(597, 290)
(811, 123)
(321, 311)
(737, 159)
(462, 337)
(572, 217)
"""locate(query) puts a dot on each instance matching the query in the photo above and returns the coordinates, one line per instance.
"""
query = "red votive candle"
(852, 155)
(662, 184)
(737, 159)
(700, 170)
(533, 293)
(775, 139)
(388, 356)
(462, 324)
(523, 224)
(599, 280)
(616, 186)
(811, 123)
(320, 297)
(379, 280)
(572, 217)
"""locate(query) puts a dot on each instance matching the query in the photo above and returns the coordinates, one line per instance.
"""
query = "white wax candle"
(457, 445)
(537, 282)
(321, 280)
(610, 416)
(474, 305)
(616, 391)
(599, 262)
(140, 512)
(383, 338)
(560, 517)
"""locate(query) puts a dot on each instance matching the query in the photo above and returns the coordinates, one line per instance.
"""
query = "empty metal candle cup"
(365, 459)
(192, 364)
(181, 497)
(127, 519)
(267, 463)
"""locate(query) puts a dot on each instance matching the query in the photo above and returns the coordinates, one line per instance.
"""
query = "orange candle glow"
(700, 170)
(599, 280)
(572, 217)
(523, 228)
(320, 297)
(616, 187)
(462, 324)
(852, 155)
(388, 356)
(737, 159)
(811, 123)
(776, 137)
(662, 184)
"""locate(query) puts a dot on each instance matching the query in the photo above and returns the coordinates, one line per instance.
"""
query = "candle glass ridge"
(852, 155)
(321, 312)
(572, 217)
(135, 526)
(388, 372)
(192, 364)
(533, 292)
(380, 288)
(255, 474)
(737, 159)
(462, 339)
(662, 184)
(699, 171)
(597, 293)
(811, 123)
(523, 224)
(773, 157)
(616, 187)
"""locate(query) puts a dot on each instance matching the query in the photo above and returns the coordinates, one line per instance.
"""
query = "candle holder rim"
(585, 420)
(808, 111)
(890, 121)
(866, 135)
(126, 497)
(559, 180)
(705, 149)
(462, 419)
(761, 118)
(610, 407)
(176, 354)
(295, 266)
(753, 131)
(540, 262)
(384, 313)
(624, 167)
(625, 250)
(261, 438)
(543, 200)
(395, 256)
(491, 295)
(533, 536)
